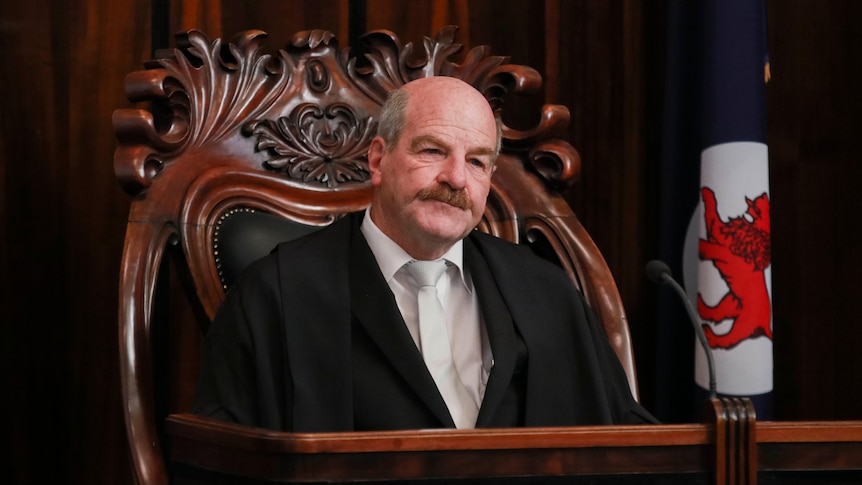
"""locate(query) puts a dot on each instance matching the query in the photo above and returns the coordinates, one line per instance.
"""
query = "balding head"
(433, 89)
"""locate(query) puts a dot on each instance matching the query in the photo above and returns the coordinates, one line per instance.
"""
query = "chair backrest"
(240, 148)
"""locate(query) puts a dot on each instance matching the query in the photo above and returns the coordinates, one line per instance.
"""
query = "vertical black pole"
(356, 20)
(160, 20)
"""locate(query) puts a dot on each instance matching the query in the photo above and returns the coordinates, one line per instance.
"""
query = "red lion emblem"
(740, 250)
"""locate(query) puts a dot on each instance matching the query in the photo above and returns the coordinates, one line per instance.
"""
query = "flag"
(714, 206)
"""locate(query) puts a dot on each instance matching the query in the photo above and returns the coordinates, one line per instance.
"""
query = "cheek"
(479, 191)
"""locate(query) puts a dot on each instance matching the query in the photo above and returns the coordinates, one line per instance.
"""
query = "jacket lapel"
(501, 332)
(549, 396)
(374, 306)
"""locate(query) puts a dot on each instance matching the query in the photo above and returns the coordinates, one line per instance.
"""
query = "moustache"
(455, 198)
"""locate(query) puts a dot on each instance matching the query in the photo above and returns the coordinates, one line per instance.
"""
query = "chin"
(450, 223)
(445, 231)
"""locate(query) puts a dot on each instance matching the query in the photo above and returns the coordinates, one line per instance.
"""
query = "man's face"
(431, 187)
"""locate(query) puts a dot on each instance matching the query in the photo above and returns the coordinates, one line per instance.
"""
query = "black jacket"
(311, 339)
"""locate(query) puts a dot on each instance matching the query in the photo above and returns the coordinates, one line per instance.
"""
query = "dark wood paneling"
(32, 239)
(278, 18)
(104, 37)
(815, 113)
(603, 65)
(62, 214)
(62, 233)
(413, 20)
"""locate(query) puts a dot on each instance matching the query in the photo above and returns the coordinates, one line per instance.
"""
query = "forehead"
(451, 117)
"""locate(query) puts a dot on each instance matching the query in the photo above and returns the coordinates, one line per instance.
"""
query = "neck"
(417, 248)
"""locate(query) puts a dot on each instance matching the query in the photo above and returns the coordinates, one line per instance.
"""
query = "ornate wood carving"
(290, 103)
(323, 144)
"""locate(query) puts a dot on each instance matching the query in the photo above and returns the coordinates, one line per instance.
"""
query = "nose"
(453, 172)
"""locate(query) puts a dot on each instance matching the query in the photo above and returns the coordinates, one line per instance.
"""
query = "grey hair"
(392, 115)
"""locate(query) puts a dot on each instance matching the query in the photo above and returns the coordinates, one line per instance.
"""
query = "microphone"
(658, 272)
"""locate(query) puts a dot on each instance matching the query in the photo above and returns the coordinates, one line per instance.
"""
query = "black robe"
(311, 339)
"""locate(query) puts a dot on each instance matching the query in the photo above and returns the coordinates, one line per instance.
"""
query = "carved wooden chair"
(239, 149)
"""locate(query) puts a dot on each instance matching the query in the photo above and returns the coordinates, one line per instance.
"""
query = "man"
(327, 334)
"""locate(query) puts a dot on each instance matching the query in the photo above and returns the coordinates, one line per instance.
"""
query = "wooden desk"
(444, 455)
(208, 451)
(809, 452)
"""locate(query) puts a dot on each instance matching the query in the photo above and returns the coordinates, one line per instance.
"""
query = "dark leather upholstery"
(244, 235)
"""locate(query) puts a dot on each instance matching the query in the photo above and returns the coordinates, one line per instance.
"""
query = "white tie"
(434, 343)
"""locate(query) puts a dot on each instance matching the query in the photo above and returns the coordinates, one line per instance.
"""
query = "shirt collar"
(391, 257)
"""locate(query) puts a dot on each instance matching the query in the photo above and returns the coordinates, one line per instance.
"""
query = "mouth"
(455, 198)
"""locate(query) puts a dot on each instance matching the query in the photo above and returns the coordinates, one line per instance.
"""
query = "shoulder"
(516, 257)
(295, 257)
(524, 276)
(335, 233)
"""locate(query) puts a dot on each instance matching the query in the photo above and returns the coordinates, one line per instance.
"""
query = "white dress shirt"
(467, 336)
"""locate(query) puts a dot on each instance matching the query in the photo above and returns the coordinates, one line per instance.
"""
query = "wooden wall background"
(62, 215)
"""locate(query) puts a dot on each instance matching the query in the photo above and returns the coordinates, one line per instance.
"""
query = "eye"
(478, 163)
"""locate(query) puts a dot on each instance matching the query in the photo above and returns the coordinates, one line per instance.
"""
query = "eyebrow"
(421, 139)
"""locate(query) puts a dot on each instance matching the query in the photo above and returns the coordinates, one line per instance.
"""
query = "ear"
(376, 150)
